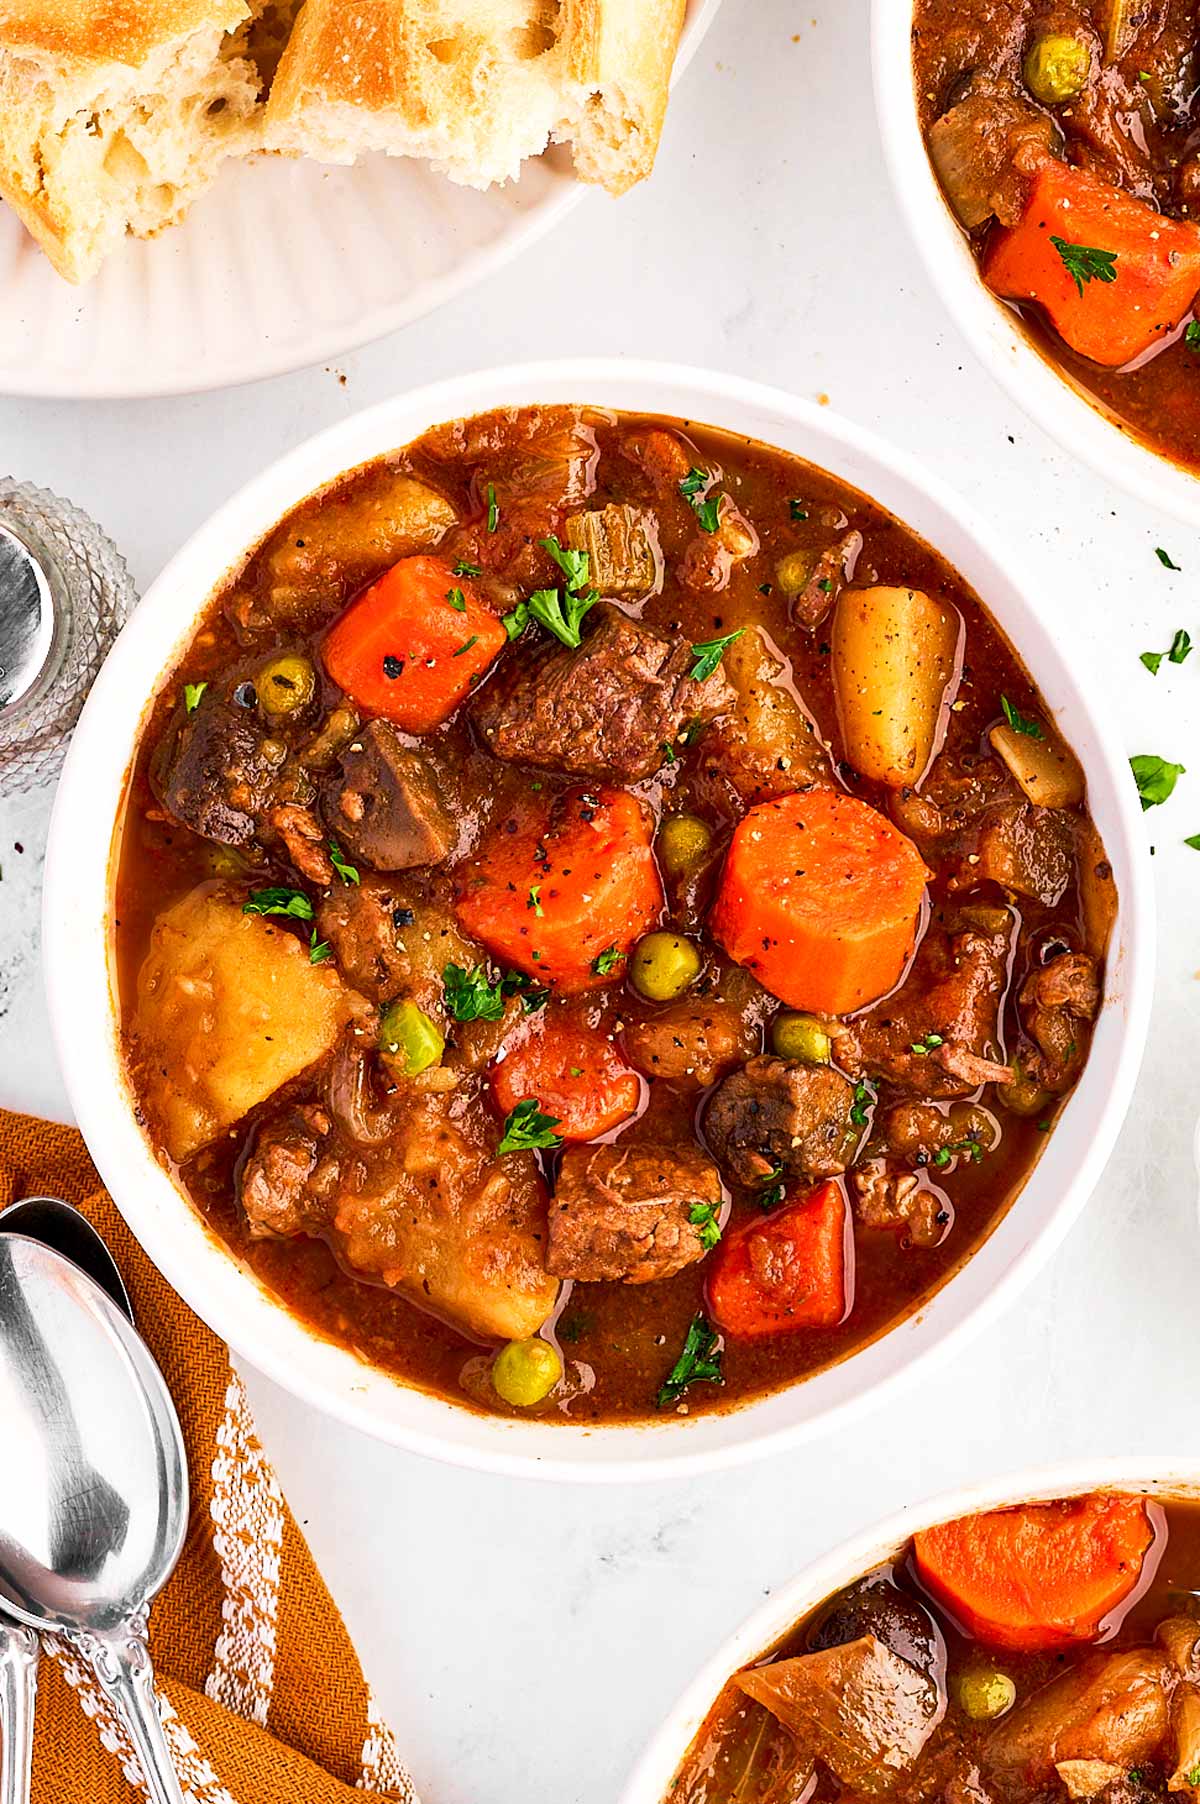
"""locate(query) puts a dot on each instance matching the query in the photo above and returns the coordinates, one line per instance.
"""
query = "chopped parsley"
(1180, 647)
(704, 1217)
(1084, 263)
(708, 654)
(573, 564)
(771, 1197)
(1155, 778)
(465, 646)
(493, 510)
(707, 509)
(535, 900)
(561, 616)
(971, 1149)
(699, 1362)
(517, 984)
(1020, 723)
(525, 1128)
(457, 600)
(471, 995)
(928, 1044)
(864, 1098)
(319, 951)
(1192, 1778)
(462, 568)
(1165, 559)
(606, 962)
(669, 753)
(191, 696)
(279, 901)
(346, 872)
(797, 510)
(1193, 840)
(1191, 337)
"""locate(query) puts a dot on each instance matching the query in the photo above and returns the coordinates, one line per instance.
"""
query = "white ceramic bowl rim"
(987, 324)
(828, 1574)
(77, 898)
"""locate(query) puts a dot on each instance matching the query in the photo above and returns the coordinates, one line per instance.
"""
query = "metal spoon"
(56, 1224)
(93, 1486)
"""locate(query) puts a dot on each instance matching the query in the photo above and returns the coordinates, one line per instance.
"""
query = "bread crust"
(106, 31)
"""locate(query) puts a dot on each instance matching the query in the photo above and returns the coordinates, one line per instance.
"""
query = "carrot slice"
(1041, 1576)
(575, 1073)
(1139, 292)
(555, 888)
(783, 1271)
(407, 649)
(820, 897)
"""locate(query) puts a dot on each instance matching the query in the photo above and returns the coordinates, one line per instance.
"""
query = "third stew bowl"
(620, 933)
(1038, 1643)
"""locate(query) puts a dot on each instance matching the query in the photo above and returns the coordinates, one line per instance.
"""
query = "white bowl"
(828, 1575)
(1077, 421)
(81, 987)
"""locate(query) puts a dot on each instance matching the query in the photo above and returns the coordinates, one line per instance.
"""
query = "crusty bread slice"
(114, 117)
(477, 86)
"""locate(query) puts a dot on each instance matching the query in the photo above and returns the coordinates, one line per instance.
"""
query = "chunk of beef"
(620, 551)
(1054, 1002)
(384, 805)
(708, 560)
(765, 745)
(943, 816)
(1112, 1707)
(920, 1133)
(427, 1210)
(832, 570)
(603, 711)
(304, 841)
(391, 937)
(290, 1175)
(970, 815)
(984, 148)
(693, 1041)
(624, 1212)
(889, 1197)
(777, 1115)
(936, 1034)
(217, 771)
(859, 1708)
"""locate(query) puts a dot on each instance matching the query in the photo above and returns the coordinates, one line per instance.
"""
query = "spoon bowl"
(61, 1226)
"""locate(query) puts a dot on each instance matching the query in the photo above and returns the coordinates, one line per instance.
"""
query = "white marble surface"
(526, 1639)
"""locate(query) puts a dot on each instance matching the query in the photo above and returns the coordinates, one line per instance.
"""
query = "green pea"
(683, 843)
(1056, 68)
(793, 572)
(663, 966)
(409, 1040)
(287, 684)
(801, 1037)
(984, 1692)
(526, 1371)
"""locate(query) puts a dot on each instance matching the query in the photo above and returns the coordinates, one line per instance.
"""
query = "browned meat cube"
(831, 571)
(1112, 1707)
(858, 1707)
(620, 555)
(885, 1197)
(290, 1175)
(765, 745)
(1024, 848)
(623, 1213)
(606, 710)
(935, 1035)
(776, 1116)
(391, 937)
(693, 1041)
(212, 772)
(384, 808)
(1055, 1001)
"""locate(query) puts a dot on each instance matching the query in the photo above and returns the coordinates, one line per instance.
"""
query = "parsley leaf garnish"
(462, 568)
(797, 510)
(525, 1128)
(1084, 263)
(279, 901)
(493, 510)
(1165, 559)
(704, 1217)
(1193, 840)
(606, 962)
(1155, 778)
(1191, 337)
(1020, 723)
(562, 618)
(465, 646)
(1152, 660)
(708, 654)
(928, 1043)
(346, 872)
(191, 695)
(699, 1361)
(706, 510)
(319, 951)
(1180, 647)
(471, 995)
(535, 900)
(457, 600)
(971, 1149)
(864, 1098)
(573, 564)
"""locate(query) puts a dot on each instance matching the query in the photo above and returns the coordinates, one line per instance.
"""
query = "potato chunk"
(228, 1009)
(335, 541)
(895, 657)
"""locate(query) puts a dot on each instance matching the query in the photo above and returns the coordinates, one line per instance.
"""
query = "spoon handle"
(18, 1688)
(121, 1660)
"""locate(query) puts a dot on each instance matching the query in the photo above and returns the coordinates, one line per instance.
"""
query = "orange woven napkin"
(263, 1698)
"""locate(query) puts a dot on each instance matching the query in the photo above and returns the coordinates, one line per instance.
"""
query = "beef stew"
(604, 921)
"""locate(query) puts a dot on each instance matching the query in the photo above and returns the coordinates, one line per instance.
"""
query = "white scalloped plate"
(282, 264)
